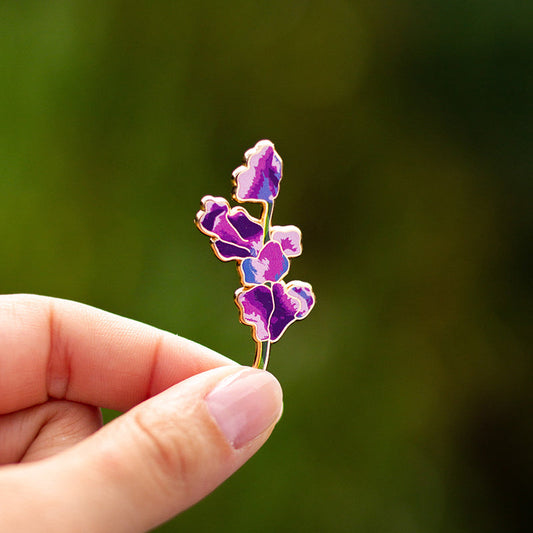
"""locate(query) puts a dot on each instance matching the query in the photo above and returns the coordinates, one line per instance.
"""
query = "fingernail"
(245, 404)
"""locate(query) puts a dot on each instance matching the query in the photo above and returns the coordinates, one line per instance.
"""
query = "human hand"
(193, 417)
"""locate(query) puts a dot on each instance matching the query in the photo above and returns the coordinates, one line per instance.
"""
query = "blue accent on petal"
(284, 269)
(265, 192)
(250, 273)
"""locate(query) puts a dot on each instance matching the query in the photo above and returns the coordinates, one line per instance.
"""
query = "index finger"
(53, 348)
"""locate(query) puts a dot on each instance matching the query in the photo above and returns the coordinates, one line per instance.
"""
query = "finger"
(44, 430)
(152, 462)
(60, 349)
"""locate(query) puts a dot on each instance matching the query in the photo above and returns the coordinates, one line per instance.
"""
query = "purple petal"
(285, 310)
(303, 292)
(234, 232)
(290, 238)
(228, 251)
(213, 220)
(256, 305)
(270, 265)
(248, 228)
(258, 179)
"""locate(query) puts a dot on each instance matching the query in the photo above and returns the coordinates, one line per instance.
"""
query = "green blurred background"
(406, 132)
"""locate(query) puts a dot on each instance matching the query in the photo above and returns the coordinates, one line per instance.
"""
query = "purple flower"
(270, 265)
(261, 251)
(258, 179)
(234, 233)
(271, 310)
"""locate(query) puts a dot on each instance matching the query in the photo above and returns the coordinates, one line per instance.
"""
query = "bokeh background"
(406, 132)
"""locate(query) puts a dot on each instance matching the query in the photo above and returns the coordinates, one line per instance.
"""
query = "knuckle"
(168, 450)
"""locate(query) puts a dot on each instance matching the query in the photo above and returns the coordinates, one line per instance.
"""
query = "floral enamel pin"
(262, 252)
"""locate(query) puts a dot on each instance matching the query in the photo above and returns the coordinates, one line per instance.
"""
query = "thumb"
(152, 462)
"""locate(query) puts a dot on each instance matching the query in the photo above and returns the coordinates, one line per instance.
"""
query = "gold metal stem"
(262, 354)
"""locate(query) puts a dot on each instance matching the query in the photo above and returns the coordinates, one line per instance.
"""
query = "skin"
(60, 470)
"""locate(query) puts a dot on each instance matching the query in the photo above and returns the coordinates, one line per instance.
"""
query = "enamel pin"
(262, 252)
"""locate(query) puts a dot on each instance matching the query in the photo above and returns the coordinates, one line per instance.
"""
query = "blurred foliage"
(406, 132)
